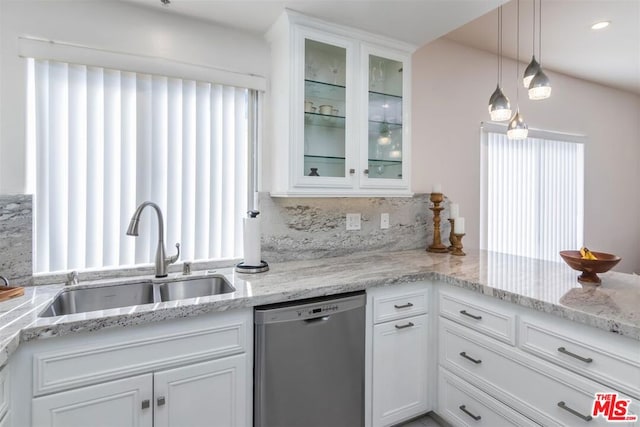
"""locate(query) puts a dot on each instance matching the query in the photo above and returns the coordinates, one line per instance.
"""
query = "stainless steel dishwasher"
(309, 363)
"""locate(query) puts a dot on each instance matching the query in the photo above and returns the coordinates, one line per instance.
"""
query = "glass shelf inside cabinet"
(326, 120)
(324, 110)
(385, 118)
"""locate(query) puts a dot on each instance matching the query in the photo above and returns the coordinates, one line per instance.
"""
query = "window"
(106, 140)
(532, 193)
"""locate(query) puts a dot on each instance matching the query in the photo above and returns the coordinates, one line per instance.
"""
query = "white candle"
(458, 226)
(454, 210)
(437, 188)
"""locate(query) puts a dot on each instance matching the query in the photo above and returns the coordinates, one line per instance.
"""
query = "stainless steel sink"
(100, 298)
(71, 301)
(214, 285)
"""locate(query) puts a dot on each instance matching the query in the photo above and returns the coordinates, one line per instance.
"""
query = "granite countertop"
(544, 286)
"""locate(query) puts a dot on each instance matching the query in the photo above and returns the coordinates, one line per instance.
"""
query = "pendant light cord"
(539, 32)
(517, 52)
(533, 39)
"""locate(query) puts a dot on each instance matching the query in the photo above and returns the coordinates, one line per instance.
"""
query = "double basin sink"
(71, 301)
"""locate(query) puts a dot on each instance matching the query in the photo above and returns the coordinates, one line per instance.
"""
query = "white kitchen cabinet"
(398, 353)
(400, 370)
(549, 374)
(120, 403)
(182, 372)
(340, 111)
(205, 394)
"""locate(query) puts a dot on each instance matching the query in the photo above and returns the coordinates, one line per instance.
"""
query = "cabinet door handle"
(408, 325)
(476, 361)
(352, 171)
(574, 412)
(464, 409)
(464, 312)
(145, 404)
(568, 353)
(161, 401)
(366, 171)
(407, 305)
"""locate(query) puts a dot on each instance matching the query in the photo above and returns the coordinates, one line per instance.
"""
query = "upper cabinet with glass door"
(339, 111)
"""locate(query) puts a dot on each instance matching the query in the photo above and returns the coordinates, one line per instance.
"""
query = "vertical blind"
(533, 195)
(107, 140)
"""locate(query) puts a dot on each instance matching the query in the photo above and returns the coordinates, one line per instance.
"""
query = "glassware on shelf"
(314, 172)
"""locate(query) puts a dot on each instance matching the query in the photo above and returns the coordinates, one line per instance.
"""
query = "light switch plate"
(353, 221)
(384, 221)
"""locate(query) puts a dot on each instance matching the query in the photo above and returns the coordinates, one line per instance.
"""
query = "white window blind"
(107, 140)
(532, 195)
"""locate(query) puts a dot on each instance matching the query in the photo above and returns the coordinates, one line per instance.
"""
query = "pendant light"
(517, 128)
(540, 86)
(499, 106)
(533, 67)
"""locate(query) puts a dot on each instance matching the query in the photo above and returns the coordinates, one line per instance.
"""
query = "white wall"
(108, 25)
(451, 88)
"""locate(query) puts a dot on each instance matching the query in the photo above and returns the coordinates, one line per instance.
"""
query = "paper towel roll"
(252, 242)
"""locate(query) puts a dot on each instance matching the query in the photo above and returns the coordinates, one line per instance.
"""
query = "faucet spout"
(161, 261)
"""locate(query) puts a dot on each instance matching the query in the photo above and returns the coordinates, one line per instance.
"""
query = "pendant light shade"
(531, 70)
(499, 106)
(540, 86)
(517, 129)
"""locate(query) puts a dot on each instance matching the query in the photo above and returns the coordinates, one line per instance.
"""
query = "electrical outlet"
(353, 221)
(384, 221)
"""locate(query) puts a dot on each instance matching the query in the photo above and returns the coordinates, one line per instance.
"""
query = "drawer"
(617, 364)
(462, 404)
(543, 392)
(481, 314)
(397, 302)
(178, 342)
(4, 391)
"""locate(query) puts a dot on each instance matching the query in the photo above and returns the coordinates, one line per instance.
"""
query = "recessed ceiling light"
(600, 25)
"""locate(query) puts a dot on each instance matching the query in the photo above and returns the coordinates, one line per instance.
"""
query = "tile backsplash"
(307, 228)
(16, 219)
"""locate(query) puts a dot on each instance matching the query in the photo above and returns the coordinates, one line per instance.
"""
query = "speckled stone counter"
(549, 287)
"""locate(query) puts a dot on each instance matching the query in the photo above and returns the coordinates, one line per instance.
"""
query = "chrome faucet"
(5, 280)
(162, 261)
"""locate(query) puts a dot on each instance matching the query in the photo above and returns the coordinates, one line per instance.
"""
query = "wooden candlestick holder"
(457, 246)
(436, 246)
(452, 238)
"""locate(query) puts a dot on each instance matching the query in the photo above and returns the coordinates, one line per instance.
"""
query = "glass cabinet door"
(324, 109)
(385, 149)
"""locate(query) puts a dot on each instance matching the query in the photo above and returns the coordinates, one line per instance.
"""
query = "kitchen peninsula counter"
(544, 286)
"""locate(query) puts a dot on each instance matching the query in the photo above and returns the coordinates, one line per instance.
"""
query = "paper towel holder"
(242, 268)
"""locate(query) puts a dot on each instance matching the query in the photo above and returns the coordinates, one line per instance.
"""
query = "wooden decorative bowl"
(589, 267)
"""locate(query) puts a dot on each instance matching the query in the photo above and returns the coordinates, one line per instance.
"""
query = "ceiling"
(610, 56)
(412, 21)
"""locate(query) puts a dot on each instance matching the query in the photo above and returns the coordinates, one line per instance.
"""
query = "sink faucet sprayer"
(162, 262)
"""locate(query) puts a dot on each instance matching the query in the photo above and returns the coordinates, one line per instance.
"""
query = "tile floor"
(424, 421)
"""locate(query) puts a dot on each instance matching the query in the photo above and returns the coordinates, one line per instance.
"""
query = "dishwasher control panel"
(328, 308)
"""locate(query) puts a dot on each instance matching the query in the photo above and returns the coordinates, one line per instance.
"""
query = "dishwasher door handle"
(317, 319)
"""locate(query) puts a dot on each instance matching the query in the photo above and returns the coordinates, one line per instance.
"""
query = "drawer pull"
(568, 353)
(574, 412)
(407, 305)
(463, 408)
(464, 312)
(408, 325)
(476, 361)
